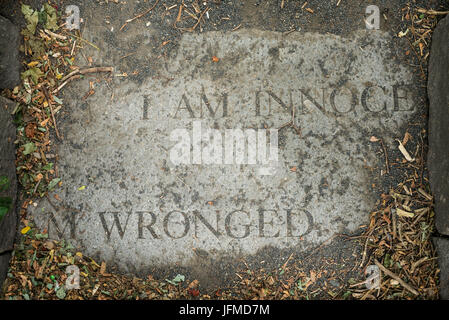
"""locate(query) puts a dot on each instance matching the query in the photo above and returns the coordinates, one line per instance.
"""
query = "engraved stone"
(268, 146)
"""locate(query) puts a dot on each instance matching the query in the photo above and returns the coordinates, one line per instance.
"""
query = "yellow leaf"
(32, 64)
(25, 230)
(79, 254)
(82, 188)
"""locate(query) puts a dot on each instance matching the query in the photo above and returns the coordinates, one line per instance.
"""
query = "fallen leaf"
(103, 268)
(53, 183)
(25, 230)
(193, 284)
(29, 148)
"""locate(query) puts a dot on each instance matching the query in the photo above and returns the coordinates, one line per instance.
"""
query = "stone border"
(438, 157)
(8, 225)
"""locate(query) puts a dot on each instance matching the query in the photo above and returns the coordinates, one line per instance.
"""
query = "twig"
(76, 74)
(365, 248)
(139, 15)
(291, 123)
(285, 264)
(51, 111)
(191, 29)
(432, 12)
(89, 43)
(288, 32)
(178, 17)
(55, 35)
(96, 69)
(236, 28)
(386, 156)
(37, 185)
(396, 277)
(417, 55)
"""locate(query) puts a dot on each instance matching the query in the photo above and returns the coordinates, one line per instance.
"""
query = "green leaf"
(53, 183)
(40, 236)
(42, 16)
(52, 18)
(31, 16)
(60, 293)
(29, 148)
(34, 73)
(179, 278)
(347, 295)
(48, 166)
(59, 101)
(387, 261)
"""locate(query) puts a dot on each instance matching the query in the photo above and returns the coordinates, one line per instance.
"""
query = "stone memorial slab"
(265, 145)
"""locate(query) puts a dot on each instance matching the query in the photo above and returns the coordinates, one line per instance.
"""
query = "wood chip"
(405, 152)
(403, 213)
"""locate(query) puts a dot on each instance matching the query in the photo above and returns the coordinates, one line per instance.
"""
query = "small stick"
(432, 12)
(236, 28)
(55, 35)
(386, 156)
(285, 264)
(69, 75)
(37, 185)
(96, 69)
(89, 43)
(76, 74)
(365, 248)
(178, 17)
(395, 277)
(73, 48)
(51, 110)
(288, 32)
(197, 23)
(139, 15)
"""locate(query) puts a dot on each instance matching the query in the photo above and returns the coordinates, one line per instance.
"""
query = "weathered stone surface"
(140, 208)
(438, 91)
(7, 168)
(9, 54)
(442, 247)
